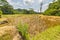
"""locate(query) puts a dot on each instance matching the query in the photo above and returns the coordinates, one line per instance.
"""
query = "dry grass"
(52, 33)
(9, 33)
(37, 23)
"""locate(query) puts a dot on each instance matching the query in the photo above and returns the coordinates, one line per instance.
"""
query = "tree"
(3, 2)
(31, 11)
(6, 7)
(53, 9)
(53, 0)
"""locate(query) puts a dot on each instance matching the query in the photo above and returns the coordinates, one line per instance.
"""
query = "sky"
(26, 4)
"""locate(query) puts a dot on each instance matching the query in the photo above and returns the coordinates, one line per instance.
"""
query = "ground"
(37, 23)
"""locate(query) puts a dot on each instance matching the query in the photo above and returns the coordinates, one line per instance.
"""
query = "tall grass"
(23, 31)
(52, 33)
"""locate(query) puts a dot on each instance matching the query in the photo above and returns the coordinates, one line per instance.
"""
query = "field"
(52, 33)
(40, 27)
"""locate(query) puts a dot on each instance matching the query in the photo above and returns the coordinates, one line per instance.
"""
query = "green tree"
(24, 11)
(31, 11)
(3, 2)
(6, 7)
(53, 9)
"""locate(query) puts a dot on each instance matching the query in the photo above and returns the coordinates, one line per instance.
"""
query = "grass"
(37, 24)
(6, 37)
(52, 33)
(23, 31)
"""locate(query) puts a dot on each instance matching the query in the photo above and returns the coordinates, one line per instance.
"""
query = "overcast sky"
(26, 4)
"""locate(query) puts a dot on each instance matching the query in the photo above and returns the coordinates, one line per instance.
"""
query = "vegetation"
(43, 22)
(6, 37)
(53, 9)
(52, 33)
(6, 8)
(23, 31)
(44, 26)
(0, 13)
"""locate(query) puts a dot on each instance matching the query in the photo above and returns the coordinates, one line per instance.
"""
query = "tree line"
(6, 8)
(53, 9)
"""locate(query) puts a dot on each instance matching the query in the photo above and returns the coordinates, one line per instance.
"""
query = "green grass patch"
(52, 33)
(23, 31)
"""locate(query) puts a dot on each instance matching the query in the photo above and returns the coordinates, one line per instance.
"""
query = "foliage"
(53, 9)
(24, 11)
(8, 9)
(31, 11)
(23, 30)
(3, 2)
